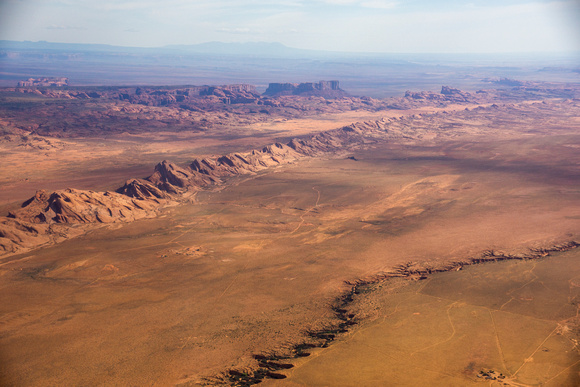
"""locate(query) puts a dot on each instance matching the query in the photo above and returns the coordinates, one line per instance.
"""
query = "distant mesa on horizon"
(321, 88)
(252, 49)
(234, 93)
(44, 82)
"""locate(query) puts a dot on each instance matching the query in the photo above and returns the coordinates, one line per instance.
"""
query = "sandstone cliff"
(447, 94)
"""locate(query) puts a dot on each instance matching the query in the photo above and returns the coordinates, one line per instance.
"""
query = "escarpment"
(170, 183)
(57, 212)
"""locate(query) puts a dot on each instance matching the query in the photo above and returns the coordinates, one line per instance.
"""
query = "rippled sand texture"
(511, 323)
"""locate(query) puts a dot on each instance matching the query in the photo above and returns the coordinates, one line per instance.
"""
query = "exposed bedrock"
(140, 198)
(79, 206)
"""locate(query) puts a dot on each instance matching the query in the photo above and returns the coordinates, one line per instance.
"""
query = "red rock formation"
(16, 235)
(78, 206)
(174, 179)
(25, 227)
(141, 189)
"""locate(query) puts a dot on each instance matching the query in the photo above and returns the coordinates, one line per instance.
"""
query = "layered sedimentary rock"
(228, 94)
(47, 218)
(447, 94)
(16, 235)
(244, 163)
(79, 206)
(174, 179)
(142, 189)
(140, 198)
(170, 183)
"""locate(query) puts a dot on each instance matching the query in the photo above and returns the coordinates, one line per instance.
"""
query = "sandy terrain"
(104, 164)
(250, 266)
(506, 324)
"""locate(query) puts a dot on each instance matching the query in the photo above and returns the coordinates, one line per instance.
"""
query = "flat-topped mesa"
(508, 82)
(446, 90)
(155, 96)
(328, 89)
(447, 94)
(232, 93)
(44, 82)
(78, 206)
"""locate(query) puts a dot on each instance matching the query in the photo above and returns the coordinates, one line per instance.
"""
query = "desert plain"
(293, 243)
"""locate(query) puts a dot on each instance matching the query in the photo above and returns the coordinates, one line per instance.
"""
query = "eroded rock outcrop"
(140, 198)
(170, 183)
(78, 206)
(447, 94)
(174, 179)
(16, 235)
(149, 96)
(245, 163)
(142, 189)
(48, 218)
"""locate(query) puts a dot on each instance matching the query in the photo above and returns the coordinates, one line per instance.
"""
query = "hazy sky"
(338, 25)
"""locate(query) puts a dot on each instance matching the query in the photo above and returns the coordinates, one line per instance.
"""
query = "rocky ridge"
(46, 213)
(170, 183)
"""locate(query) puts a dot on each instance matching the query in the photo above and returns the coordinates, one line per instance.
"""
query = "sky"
(391, 26)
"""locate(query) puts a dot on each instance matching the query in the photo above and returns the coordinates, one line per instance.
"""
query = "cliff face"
(447, 94)
(149, 96)
(322, 88)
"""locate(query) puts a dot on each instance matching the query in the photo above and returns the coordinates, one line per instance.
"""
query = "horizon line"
(309, 50)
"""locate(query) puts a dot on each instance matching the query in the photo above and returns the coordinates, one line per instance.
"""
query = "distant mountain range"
(250, 48)
(261, 63)
(261, 49)
(271, 50)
